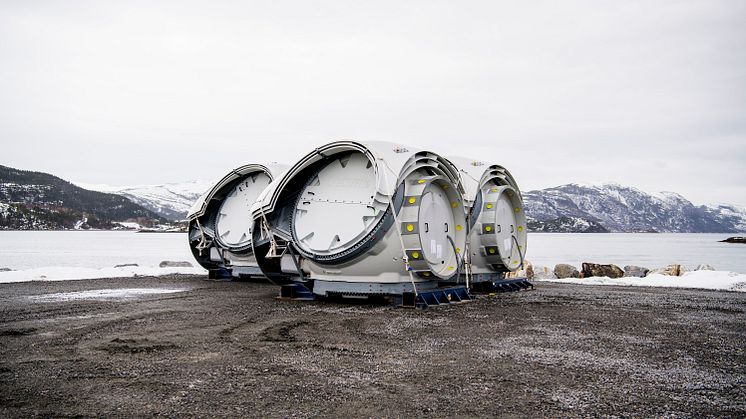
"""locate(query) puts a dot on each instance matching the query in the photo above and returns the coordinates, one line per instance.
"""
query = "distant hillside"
(32, 200)
(169, 200)
(572, 208)
(40, 201)
(565, 225)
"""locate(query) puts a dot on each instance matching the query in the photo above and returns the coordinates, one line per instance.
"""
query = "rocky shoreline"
(590, 270)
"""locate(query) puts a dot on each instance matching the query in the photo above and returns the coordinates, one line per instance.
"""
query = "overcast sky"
(650, 94)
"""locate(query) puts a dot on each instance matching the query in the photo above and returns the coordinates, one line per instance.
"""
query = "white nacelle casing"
(353, 211)
(220, 220)
(497, 237)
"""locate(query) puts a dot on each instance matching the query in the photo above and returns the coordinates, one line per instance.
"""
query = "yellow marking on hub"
(412, 200)
(426, 274)
(493, 190)
(458, 227)
(445, 187)
(458, 250)
(520, 228)
(517, 209)
(488, 228)
(454, 204)
(450, 268)
(416, 255)
(410, 227)
(421, 181)
(489, 206)
(492, 251)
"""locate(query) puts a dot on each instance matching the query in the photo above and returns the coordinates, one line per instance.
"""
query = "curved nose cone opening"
(220, 223)
(336, 209)
(233, 223)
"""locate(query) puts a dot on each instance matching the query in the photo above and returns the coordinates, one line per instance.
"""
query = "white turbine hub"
(234, 223)
(506, 224)
(435, 222)
(336, 208)
(503, 228)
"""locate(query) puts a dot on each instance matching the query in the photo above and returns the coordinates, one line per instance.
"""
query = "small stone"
(594, 269)
(635, 271)
(704, 267)
(670, 270)
(563, 270)
(175, 264)
(126, 265)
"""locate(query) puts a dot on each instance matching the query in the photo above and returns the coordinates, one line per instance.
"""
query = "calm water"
(99, 249)
(648, 250)
(90, 249)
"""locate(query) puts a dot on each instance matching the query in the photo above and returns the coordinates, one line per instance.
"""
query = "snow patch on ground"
(712, 280)
(57, 273)
(105, 294)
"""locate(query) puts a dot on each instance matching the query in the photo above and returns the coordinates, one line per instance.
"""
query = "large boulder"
(670, 270)
(563, 270)
(542, 272)
(526, 272)
(5, 269)
(595, 269)
(635, 271)
(175, 264)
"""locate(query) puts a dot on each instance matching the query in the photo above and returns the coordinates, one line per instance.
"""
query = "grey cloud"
(633, 92)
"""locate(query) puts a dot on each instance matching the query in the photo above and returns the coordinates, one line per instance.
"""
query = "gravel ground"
(231, 349)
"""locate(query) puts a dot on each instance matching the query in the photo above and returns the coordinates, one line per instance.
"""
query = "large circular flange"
(503, 228)
(233, 223)
(433, 225)
(337, 208)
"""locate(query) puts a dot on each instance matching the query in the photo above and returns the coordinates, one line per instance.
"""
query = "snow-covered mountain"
(40, 201)
(566, 225)
(567, 208)
(169, 200)
(625, 209)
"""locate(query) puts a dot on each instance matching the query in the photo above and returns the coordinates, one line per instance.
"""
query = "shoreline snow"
(708, 280)
(59, 273)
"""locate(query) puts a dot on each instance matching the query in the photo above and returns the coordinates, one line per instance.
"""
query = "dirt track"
(231, 349)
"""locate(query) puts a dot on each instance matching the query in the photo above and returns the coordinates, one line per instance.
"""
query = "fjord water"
(90, 249)
(641, 249)
(105, 249)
